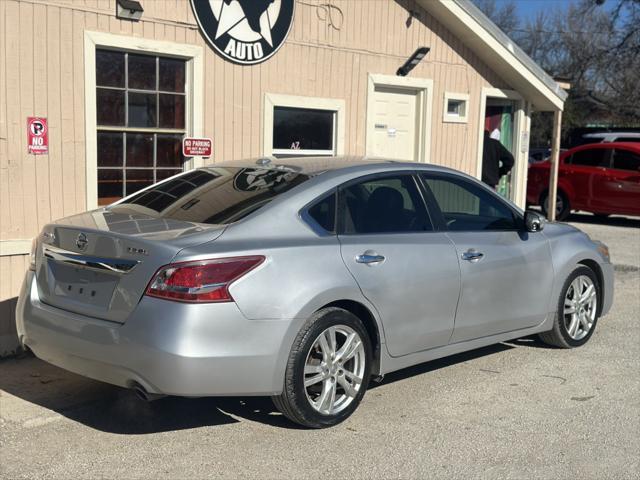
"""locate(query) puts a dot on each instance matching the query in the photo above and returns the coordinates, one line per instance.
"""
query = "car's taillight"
(201, 281)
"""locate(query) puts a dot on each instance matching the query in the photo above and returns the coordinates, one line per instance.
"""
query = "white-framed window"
(299, 126)
(142, 97)
(456, 107)
(141, 120)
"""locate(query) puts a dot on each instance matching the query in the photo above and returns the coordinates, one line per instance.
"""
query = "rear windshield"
(213, 195)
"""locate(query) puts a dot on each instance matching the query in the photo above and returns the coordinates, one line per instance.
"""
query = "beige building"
(119, 95)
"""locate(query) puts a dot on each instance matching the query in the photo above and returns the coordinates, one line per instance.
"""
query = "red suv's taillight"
(201, 281)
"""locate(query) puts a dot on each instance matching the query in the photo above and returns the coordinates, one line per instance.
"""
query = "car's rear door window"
(382, 204)
(218, 195)
(626, 160)
(468, 207)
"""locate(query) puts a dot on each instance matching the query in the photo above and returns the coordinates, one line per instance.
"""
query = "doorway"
(395, 123)
(398, 117)
(507, 111)
(499, 122)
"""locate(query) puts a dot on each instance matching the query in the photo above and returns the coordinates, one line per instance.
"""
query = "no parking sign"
(37, 136)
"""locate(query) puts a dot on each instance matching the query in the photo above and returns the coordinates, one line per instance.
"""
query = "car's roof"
(313, 166)
(627, 145)
(611, 134)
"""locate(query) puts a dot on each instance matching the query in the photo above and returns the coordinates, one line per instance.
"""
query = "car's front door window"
(469, 207)
(593, 157)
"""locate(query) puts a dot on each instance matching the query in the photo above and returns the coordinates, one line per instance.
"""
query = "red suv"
(602, 178)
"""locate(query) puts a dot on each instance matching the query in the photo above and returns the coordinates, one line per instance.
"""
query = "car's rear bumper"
(167, 347)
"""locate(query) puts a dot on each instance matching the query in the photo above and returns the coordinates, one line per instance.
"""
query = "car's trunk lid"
(99, 263)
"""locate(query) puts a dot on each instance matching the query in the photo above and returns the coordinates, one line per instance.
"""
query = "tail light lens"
(203, 281)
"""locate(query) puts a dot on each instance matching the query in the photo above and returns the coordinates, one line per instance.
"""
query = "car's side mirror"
(533, 221)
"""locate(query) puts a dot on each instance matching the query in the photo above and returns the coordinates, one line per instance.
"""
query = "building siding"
(329, 53)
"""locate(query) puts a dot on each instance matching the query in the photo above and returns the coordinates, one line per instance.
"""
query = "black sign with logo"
(244, 31)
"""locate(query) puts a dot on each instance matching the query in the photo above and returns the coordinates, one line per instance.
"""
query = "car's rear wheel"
(563, 207)
(328, 370)
(578, 309)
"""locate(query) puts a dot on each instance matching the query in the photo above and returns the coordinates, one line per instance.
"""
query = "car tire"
(331, 400)
(565, 210)
(565, 333)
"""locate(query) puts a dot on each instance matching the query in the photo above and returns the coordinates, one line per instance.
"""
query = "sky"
(529, 8)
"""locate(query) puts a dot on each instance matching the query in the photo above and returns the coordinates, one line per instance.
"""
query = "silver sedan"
(302, 279)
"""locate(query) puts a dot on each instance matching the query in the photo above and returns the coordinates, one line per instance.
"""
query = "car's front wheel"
(328, 370)
(578, 309)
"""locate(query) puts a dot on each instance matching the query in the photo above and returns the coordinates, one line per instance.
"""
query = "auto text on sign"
(197, 147)
(37, 136)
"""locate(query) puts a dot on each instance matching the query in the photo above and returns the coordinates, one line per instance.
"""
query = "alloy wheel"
(334, 369)
(580, 307)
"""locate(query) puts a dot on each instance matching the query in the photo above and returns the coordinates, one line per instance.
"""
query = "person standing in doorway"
(496, 160)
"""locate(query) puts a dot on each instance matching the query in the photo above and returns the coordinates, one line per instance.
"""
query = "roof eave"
(498, 51)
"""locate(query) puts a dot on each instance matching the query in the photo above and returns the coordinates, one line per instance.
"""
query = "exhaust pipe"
(142, 394)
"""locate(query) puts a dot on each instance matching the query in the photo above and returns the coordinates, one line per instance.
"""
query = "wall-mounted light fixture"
(129, 10)
(414, 60)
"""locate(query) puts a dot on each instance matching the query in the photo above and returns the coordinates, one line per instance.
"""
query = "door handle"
(368, 259)
(472, 255)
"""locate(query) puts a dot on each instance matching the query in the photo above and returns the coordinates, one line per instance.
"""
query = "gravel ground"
(514, 410)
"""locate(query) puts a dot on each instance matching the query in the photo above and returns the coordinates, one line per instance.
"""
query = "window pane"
(142, 110)
(138, 179)
(109, 68)
(169, 151)
(468, 207)
(109, 186)
(172, 75)
(109, 149)
(110, 107)
(171, 111)
(323, 213)
(219, 197)
(142, 72)
(300, 128)
(456, 107)
(383, 205)
(626, 160)
(596, 157)
(139, 150)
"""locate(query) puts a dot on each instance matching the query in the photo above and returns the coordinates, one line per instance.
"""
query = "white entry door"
(394, 129)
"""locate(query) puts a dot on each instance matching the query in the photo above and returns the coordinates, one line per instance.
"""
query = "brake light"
(202, 281)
